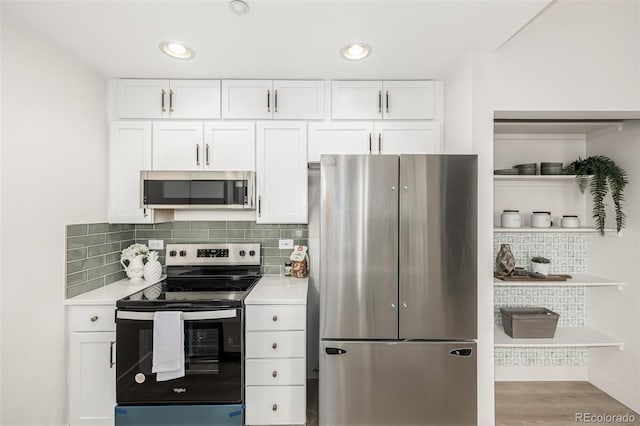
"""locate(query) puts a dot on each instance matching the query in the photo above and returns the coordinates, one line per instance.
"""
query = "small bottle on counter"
(287, 269)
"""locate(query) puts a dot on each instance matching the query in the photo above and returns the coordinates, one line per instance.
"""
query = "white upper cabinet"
(229, 146)
(150, 98)
(178, 145)
(267, 99)
(281, 171)
(375, 100)
(407, 138)
(340, 138)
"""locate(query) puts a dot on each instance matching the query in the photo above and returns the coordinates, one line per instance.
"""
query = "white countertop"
(109, 294)
(278, 289)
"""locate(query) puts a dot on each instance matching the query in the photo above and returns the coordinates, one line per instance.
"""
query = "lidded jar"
(570, 221)
(511, 219)
(541, 220)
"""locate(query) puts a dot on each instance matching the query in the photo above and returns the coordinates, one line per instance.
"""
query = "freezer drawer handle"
(461, 352)
(275, 407)
(274, 374)
(335, 351)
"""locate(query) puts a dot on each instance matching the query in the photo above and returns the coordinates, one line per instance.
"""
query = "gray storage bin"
(529, 322)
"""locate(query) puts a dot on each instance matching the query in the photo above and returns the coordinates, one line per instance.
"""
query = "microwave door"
(167, 192)
(219, 192)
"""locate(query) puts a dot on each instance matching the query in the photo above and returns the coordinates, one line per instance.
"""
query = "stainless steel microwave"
(197, 190)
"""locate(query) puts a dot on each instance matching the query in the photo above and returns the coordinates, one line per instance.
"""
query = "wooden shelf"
(578, 280)
(535, 178)
(553, 229)
(564, 337)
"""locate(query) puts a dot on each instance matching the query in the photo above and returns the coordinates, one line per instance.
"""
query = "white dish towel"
(168, 345)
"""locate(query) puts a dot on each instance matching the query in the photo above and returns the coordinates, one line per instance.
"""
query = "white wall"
(613, 312)
(53, 173)
(458, 106)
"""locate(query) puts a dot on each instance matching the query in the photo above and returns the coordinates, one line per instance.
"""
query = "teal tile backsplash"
(93, 250)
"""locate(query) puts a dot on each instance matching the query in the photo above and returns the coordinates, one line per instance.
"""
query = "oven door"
(213, 359)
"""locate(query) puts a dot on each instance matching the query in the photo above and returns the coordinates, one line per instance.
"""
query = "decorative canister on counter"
(541, 220)
(299, 262)
(505, 261)
(570, 221)
(511, 219)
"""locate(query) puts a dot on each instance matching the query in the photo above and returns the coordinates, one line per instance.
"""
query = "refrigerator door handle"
(335, 351)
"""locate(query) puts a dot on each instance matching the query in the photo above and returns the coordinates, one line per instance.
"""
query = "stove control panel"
(213, 254)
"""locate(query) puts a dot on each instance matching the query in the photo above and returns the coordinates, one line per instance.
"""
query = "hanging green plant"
(601, 174)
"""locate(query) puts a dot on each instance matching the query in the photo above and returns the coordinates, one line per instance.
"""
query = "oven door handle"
(186, 316)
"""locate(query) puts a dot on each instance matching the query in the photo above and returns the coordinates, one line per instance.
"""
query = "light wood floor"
(553, 403)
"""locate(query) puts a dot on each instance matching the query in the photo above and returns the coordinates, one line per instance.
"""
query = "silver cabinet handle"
(379, 143)
(111, 361)
(274, 346)
(275, 100)
(144, 212)
(163, 93)
(274, 374)
(268, 100)
(369, 142)
(379, 101)
(94, 318)
(197, 154)
(259, 205)
(387, 100)
(275, 407)
(275, 318)
(171, 92)
(206, 153)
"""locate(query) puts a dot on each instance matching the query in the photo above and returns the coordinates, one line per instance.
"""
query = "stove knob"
(172, 253)
(252, 253)
(183, 253)
(242, 253)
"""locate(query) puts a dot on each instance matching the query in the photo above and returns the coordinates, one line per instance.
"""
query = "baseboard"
(536, 374)
(616, 390)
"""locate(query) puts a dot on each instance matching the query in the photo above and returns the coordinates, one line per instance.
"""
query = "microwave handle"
(186, 316)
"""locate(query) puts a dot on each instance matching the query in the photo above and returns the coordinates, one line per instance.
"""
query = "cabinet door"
(229, 146)
(92, 378)
(408, 100)
(177, 145)
(247, 99)
(339, 138)
(356, 100)
(194, 98)
(281, 171)
(298, 99)
(129, 152)
(407, 138)
(138, 98)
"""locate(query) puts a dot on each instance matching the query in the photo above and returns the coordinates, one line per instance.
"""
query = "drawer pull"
(94, 318)
(274, 374)
(275, 318)
(275, 407)
(274, 346)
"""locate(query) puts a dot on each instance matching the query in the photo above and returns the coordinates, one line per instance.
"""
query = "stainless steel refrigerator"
(398, 290)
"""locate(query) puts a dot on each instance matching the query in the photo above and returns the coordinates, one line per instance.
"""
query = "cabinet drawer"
(276, 317)
(273, 372)
(275, 405)
(275, 344)
(92, 318)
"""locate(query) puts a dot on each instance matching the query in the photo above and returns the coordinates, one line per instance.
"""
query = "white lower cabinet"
(91, 365)
(275, 365)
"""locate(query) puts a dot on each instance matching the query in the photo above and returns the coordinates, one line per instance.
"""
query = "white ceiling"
(276, 39)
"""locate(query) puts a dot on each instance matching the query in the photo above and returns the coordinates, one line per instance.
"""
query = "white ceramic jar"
(510, 219)
(541, 220)
(570, 221)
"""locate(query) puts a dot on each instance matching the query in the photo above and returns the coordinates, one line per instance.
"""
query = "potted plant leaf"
(540, 265)
(601, 175)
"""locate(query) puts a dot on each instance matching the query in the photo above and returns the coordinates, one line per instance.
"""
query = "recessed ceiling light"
(239, 7)
(355, 51)
(176, 50)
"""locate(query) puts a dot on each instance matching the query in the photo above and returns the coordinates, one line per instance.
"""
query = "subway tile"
(288, 226)
(125, 244)
(191, 233)
(262, 233)
(153, 234)
(78, 277)
(127, 227)
(76, 230)
(112, 278)
(103, 249)
(164, 225)
(240, 224)
(103, 270)
(143, 226)
(294, 233)
(245, 240)
(269, 242)
(75, 254)
(269, 251)
(208, 240)
(85, 287)
(267, 260)
(112, 257)
(98, 228)
(116, 227)
(267, 226)
(120, 236)
(89, 240)
(226, 233)
(84, 264)
(218, 224)
(270, 269)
